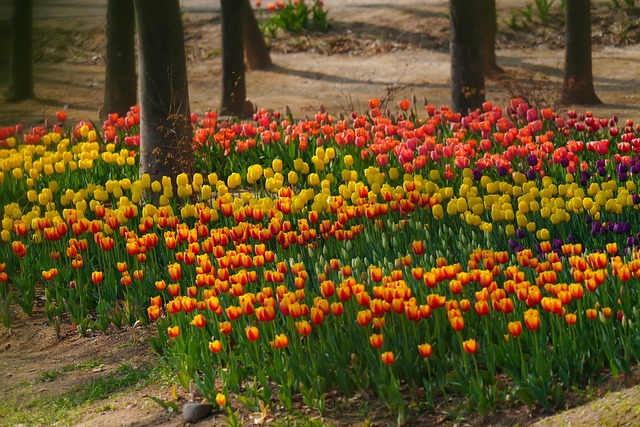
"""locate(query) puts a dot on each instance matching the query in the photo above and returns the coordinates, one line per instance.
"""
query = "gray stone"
(194, 412)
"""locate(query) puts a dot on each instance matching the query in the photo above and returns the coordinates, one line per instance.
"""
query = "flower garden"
(411, 255)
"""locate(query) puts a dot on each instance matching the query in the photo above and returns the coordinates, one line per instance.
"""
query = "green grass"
(52, 375)
(27, 409)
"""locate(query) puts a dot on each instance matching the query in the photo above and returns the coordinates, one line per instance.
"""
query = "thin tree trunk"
(21, 80)
(165, 125)
(234, 92)
(578, 73)
(467, 70)
(120, 83)
(255, 47)
(489, 25)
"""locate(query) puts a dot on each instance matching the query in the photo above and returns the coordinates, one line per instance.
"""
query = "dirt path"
(304, 80)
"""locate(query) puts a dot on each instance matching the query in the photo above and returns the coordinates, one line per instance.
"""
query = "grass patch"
(59, 409)
(52, 375)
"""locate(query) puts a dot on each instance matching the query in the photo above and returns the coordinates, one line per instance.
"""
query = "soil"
(372, 49)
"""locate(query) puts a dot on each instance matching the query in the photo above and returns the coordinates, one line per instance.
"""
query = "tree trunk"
(255, 48)
(120, 91)
(578, 75)
(165, 124)
(489, 24)
(234, 92)
(21, 80)
(467, 71)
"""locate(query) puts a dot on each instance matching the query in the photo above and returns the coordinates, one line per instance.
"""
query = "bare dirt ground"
(373, 49)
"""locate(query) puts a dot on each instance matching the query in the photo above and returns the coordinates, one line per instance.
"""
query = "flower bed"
(491, 256)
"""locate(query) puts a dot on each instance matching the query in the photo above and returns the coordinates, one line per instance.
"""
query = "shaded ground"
(373, 49)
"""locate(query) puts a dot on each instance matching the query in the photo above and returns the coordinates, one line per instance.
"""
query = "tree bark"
(578, 87)
(467, 68)
(234, 92)
(21, 79)
(489, 25)
(120, 91)
(255, 47)
(165, 124)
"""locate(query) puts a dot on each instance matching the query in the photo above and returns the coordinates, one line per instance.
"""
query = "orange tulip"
(280, 341)
(376, 340)
(96, 277)
(532, 319)
(364, 317)
(570, 318)
(225, 327)
(457, 322)
(221, 399)
(233, 312)
(388, 357)
(418, 247)
(153, 311)
(470, 346)
(317, 316)
(18, 248)
(337, 308)
(482, 308)
(376, 274)
(215, 346)
(327, 288)
(303, 327)
(515, 328)
(174, 331)
(175, 272)
(189, 304)
(425, 350)
(252, 333)
(199, 321)
(47, 274)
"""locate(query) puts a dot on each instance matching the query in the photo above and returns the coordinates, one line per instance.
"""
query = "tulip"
(532, 319)
(199, 321)
(303, 327)
(388, 357)
(425, 350)
(174, 331)
(225, 327)
(153, 311)
(515, 328)
(215, 346)
(470, 346)
(280, 341)
(221, 399)
(376, 340)
(418, 247)
(252, 333)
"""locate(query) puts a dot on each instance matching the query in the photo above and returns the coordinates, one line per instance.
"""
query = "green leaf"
(557, 396)
(169, 406)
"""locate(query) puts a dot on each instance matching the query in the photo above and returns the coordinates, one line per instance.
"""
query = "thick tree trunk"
(21, 80)
(578, 74)
(165, 124)
(255, 48)
(234, 92)
(489, 24)
(467, 69)
(120, 84)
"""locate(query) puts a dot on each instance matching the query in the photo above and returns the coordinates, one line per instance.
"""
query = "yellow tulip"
(292, 178)
(348, 161)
